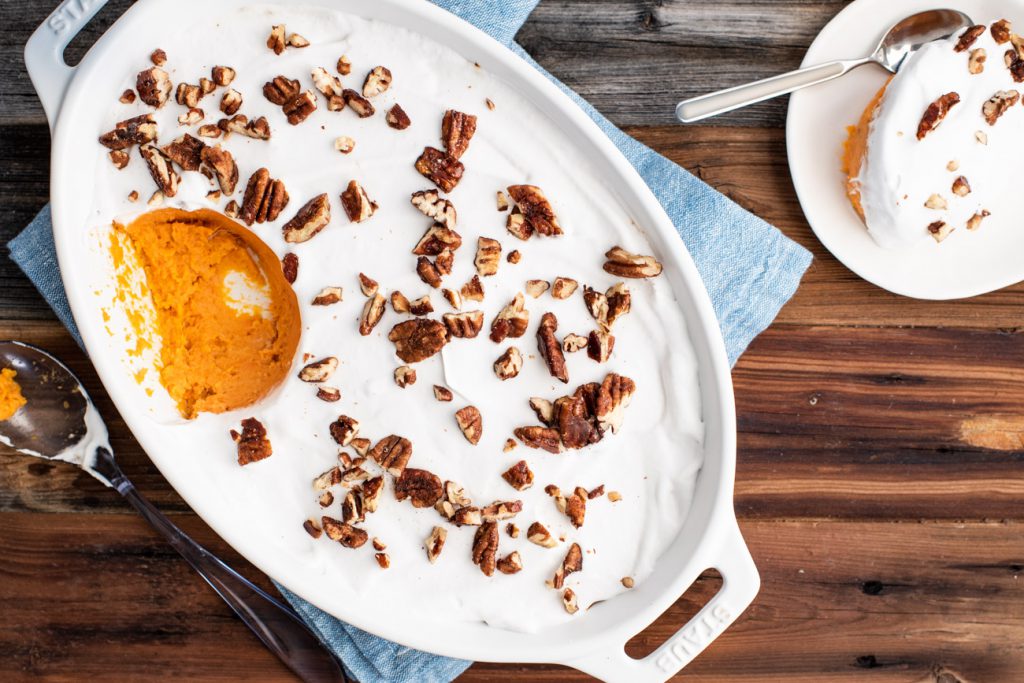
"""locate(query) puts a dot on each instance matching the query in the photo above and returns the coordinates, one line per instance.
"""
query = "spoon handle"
(715, 103)
(275, 624)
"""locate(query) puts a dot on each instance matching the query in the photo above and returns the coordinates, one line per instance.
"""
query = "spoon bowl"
(914, 32)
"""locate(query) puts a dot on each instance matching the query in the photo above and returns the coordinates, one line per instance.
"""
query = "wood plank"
(857, 601)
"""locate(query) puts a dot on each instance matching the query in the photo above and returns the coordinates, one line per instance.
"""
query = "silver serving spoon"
(60, 422)
(898, 43)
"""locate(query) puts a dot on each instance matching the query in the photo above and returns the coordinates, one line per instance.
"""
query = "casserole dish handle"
(44, 52)
(727, 552)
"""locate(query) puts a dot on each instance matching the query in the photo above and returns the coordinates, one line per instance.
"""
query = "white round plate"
(963, 265)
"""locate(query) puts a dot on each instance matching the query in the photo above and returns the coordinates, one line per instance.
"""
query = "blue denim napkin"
(749, 268)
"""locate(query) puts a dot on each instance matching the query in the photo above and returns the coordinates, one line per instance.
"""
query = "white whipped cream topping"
(654, 459)
(901, 172)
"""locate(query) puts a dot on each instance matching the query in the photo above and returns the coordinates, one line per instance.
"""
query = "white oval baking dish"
(594, 643)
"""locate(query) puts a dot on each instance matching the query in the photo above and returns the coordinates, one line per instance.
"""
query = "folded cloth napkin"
(749, 268)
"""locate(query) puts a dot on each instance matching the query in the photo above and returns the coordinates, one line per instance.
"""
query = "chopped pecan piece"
(473, 290)
(165, 177)
(231, 211)
(298, 109)
(319, 371)
(311, 219)
(357, 203)
(405, 376)
(466, 325)
(158, 57)
(188, 95)
(619, 302)
(419, 339)
(222, 75)
(467, 516)
(511, 563)
(153, 86)
(352, 508)
(514, 256)
(614, 496)
(509, 363)
(539, 535)
(257, 129)
(373, 311)
(210, 130)
(430, 204)
(421, 306)
(569, 601)
(186, 152)
(488, 256)
(519, 476)
(612, 400)
(344, 65)
(281, 90)
(535, 211)
(191, 117)
(329, 86)
(392, 453)
(543, 409)
(572, 343)
(372, 490)
(383, 561)
(264, 199)
(535, 288)
(622, 263)
(939, 230)
(485, 547)
(297, 41)
(423, 488)
(442, 394)
(444, 261)
(119, 158)
(440, 168)
(127, 97)
(324, 481)
(976, 61)
(600, 345)
(456, 131)
(501, 200)
(377, 81)
(368, 286)
(961, 188)
(312, 528)
(276, 41)
(359, 104)
(997, 104)
(544, 438)
(344, 144)
(974, 222)
(220, 161)
(428, 272)
(1014, 60)
(572, 419)
(435, 543)
(931, 119)
(344, 429)
(252, 443)
(231, 102)
(1001, 31)
(455, 299)
(345, 534)
(436, 239)
(471, 423)
(397, 118)
(968, 37)
(399, 302)
(512, 530)
(550, 348)
(572, 563)
(596, 492)
(289, 262)
(563, 287)
(511, 321)
(574, 506)
(328, 394)
(137, 130)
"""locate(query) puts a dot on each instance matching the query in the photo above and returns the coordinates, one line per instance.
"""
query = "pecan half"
(377, 81)
(419, 339)
(186, 152)
(612, 400)
(535, 210)
(345, 534)
(344, 429)
(373, 311)
(222, 75)
(289, 262)
(473, 290)
(997, 104)
(359, 104)
(421, 487)
(572, 563)
(137, 130)
(436, 239)
(471, 423)
(430, 204)
(544, 438)
(357, 203)
(435, 543)
(600, 345)
(252, 443)
(551, 348)
(932, 117)
(281, 90)
(397, 118)
(319, 371)
(220, 161)
(164, 175)
(311, 219)
(510, 564)
(968, 37)
(457, 130)
(622, 263)
(485, 547)
(264, 199)
(488, 256)
(508, 364)
(538, 534)
(442, 394)
(392, 453)
(519, 476)
(440, 168)
(153, 86)
(466, 325)
(511, 321)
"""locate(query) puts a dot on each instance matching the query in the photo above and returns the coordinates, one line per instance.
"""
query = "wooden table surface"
(881, 443)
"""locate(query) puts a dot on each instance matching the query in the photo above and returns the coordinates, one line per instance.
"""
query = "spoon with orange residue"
(58, 421)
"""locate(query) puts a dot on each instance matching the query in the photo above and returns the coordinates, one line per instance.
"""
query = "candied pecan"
(471, 423)
(324, 481)
(191, 117)
(257, 129)
(328, 394)
(550, 348)
(428, 272)
(252, 443)
(207, 86)
(188, 95)
(488, 256)
(442, 393)
(514, 256)
(485, 547)
(444, 261)
(440, 168)
(298, 109)
(137, 130)
(319, 371)
(465, 325)
(357, 203)
(361, 446)
(572, 563)
(418, 339)
(158, 57)
(231, 102)
(289, 264)
(510, 564)
(430, 204)
(153, 86)
(539, 535)
(397, 118)
(368, 286)
(572, 419)
(404, 376)
(1015, 63)
(974, 222)
(456, 131)
(516, 225)
(421, 306)
(164, 175)
(210, 130)
(344, 429)
(473, 290)
(543, 409)
(281, 90)
(535, 210)
(423, 488)
(222, 75)
(435, 542)
(359, 104)
(619, 301)
(931, 119)
(311, 219)
(436, 239)
(276, 41)
(454, 298)
(512, 530)
(508, 364)
(377, 81)
(119, 158)
(544, 438)
(373, 311)
(968, 37)
(997, 104)
(345, 534)
(519, 476)
(185, 151)
(511, 321)
(399, 302)
(392, 453)
(600, 345)
(574, 506)
(569, 601)
(1001, 31)
(371, 490)
(264, 198)
(352, 508)
(615, 394)
(220, 161)
(467, 516)
(127, 97)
